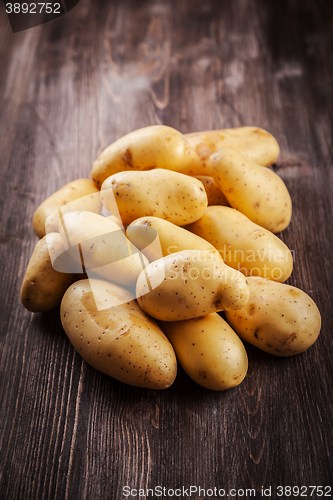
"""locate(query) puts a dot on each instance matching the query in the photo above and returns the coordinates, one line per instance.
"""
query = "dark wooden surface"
(68, 89)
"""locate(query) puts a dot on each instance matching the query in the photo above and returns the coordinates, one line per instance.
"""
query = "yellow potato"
(102, 247)
(214, 193)
(43, 286)
(157, 238)
(255, 143)
(209, 351)
(189, 284)
(172, 196)
(81, 194)
(279, 319)
(243, 245)
(157, 146)
(257, 192)
(119, 340)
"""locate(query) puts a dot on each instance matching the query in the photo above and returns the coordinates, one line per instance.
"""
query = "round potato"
(167, 238)
(119, 340)
(189, 284)
(243, 245)
(157, 146)
(209, 351)
(257, 192)
(256, 144)
(102, 247)
(279, 319)
(81, 194)
(43, 286)
(175, 197)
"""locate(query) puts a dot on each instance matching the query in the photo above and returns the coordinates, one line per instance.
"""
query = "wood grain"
(68, 89)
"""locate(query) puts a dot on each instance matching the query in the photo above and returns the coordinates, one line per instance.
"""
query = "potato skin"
(103, 247)
(189, 284)
(175, 197)
(209, 351)
(244, 245)
(43, 287)
(214, 193)
(76, 193)
(157, 146)
(279, 319)
(121, 341)
(256, 144)
(257, 192)
(171, 238)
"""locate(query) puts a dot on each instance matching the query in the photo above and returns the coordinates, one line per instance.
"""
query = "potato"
(102, 247)
(255, 143)
(81, 194)
(172, 196)
(214, 193)
(257, 192)
(209, 351)
(189, 284)
(43, 286)
(120, 340)
(144, 149)
(157, 238)
(243, 245)
(279, 319)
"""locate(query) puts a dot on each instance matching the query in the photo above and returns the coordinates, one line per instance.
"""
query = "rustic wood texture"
(68, 89)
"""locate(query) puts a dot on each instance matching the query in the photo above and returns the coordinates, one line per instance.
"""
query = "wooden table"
(69, 88)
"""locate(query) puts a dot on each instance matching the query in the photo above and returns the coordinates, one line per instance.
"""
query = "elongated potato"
(43, 286)
(102, 247)
(255, 143)
(175, 197)
(214, 193)
(157, 146)
(279, 319)
(189, 284)
(243, 245)
(120, 340)
(115, 219)
(169, 238)
(257, 192)
(81, 194)
(209, 351)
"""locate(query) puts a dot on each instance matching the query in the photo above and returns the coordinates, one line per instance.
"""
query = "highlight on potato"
(171, 230)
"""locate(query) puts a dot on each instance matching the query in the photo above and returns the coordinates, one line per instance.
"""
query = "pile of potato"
(171, 230)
